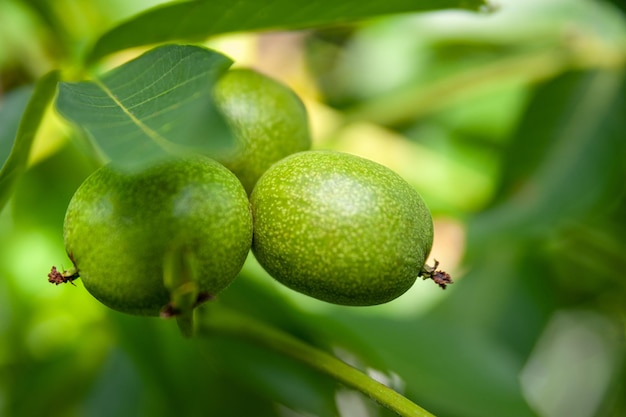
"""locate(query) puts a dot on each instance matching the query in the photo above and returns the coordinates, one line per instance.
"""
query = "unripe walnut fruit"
(340, 228)
(268, 121)
(119, 229)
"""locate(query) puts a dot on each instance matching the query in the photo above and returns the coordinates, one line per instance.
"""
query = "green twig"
(230, 323)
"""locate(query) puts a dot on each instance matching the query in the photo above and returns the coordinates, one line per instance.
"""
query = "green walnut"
(121, 228)
(341, 229)
(267, 118)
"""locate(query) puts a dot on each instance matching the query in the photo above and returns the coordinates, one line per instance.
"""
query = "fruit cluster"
(331, 225)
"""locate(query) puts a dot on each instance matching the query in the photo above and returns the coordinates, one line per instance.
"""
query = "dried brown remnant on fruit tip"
(55, 277)
(440, 278)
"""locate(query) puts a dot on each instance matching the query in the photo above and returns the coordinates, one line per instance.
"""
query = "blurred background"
(511, 125)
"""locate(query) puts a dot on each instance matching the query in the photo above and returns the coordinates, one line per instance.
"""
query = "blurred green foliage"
(510, 124)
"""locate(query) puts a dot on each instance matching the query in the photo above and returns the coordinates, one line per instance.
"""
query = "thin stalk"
(180, 277)
(234, 324)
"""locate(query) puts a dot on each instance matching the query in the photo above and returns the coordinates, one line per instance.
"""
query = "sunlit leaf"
(152, 107)
(192, 20)
(33, 114)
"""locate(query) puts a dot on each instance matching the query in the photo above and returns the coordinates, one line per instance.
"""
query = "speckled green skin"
(118, 228)
(340, 228)
(268, 119)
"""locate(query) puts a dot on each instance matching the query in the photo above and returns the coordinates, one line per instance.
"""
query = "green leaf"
(152, 107)
(33, 114)
(274, 375)
(565, 160)
(457, 371)
(179, 376)
(12, 108)
(193, 20)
